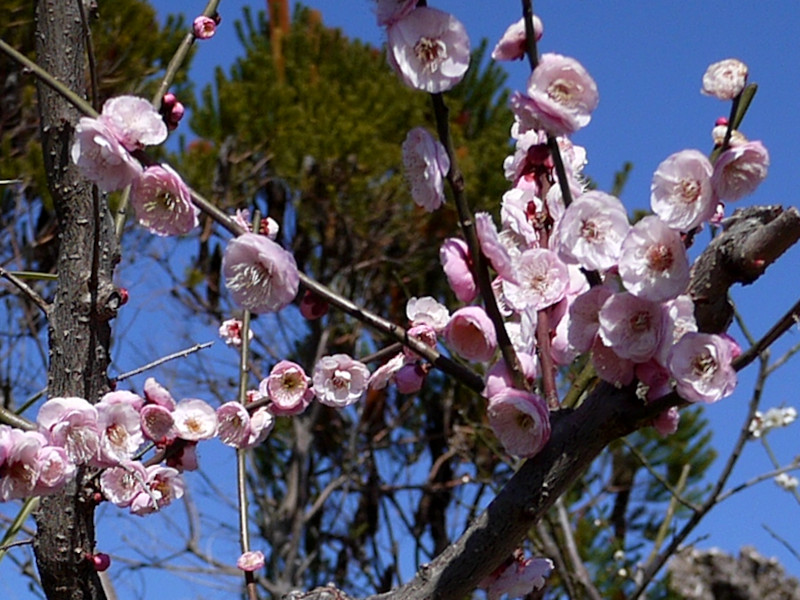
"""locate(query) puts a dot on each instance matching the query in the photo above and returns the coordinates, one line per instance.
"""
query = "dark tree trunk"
(84, 301)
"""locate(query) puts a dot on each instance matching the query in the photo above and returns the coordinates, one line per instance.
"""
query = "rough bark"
(85, 300)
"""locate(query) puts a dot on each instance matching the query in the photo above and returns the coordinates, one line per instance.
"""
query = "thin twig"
(674, 492)
(163, 359)
(23, 287)
(572, 552)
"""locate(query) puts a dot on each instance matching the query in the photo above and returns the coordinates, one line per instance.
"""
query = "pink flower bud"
(100, 561)
(312, 306)
(251, 561)
(204, 27)
(470, 334)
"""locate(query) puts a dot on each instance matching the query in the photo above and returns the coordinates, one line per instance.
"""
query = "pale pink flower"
(631, 326)
(541, 280)
(517, 578)
(288, 389)
(666, 423)
(654, 380)
(427, 311)
(561, 96)
(134, 121)
(512, 45)
(339, 380)
(72, 424)
(426, 165)
(121, 484)
(410, 378)
(158, 394)
(470, 334)
(234, 424)
(381, 376)
(591, 231)
(55, 469)
(498, 378)
(429, 49)
(101, 158)
(457, 264)
(261, 423)
(261, 276)
(164, 484)
(157, 423)
(162, 202)
(425, 334)
(122, 397)
(183, 456)
(610, 367)
(725, 79)
(740, 170)
(492, 246)
(120, 426)
(251, 561)
(204, 27)
(700, 363)
(681, 192)
(231, 332)
(22, 466)
(678, 320)
(520, 420)
(522, 211)
(653, 263)
(195, 420)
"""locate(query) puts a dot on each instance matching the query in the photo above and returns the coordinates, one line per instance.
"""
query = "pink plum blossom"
(204, 27)
(72, 424)
(122, 397)
(121, 484)
(522, 211)
(22, 466)
(260, 275)
(381, 376)
(561, 96)
(610, 367)
(426, 165)
(339, 380)
(251, 561)
(157, 424)
(261, 423)
(164, 484)
(312, 306)
(456, 262)
(101, 158)
(520, 420)
(234, 424)
(666, 423)
(725, 79)
(631, 326)
(425, 334)
(653, 263)
(120, 426)
(678, 320)
(231, 332)
(183, 456)
(591, 231)
(740, 170)
(499, 377)
(288, 389)
(512, 45)
(410, 378)
(162, 202)
(55, 469)
(700, 363)
(156, 393)
(134, 121)
(427, 311)
(470, 334)
(429, 49)
(681, 192)
(195, 420)
(541, 280)
(492, 246)
(517, 577)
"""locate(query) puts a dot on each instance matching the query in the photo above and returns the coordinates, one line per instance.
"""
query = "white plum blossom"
(162, 202)
(195, 420)
(426, 165)
(101, 158)
(520, 420)
(134, 121)
(700, 363)
(631, 326)
(517, 578)
(561, 96)
(681, 193)
(427, 311)
(260, 275)
(775, 417)
(740, 170)
(429, 49)
(541, 280)
(725, 79)
(512, 45)
(591, 231)
(471, 334)
(653, 263)
(339, 380)
(787, 482)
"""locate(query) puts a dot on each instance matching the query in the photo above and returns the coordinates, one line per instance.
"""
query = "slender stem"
(11, 418)
(87, 34)
(663, 530)
(163, 359)
(23, 287)
(30, 505)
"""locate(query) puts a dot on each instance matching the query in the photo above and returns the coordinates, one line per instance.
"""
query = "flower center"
(659, 257)
(255, 279)
(562, 92)
(689, 190)
(524, 421)
(640, 322)
(704, 365)
(430, 52)
(117, 435)
(591, 232)
(341, 380)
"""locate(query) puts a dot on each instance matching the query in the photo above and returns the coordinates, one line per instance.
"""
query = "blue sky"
(647, 59)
